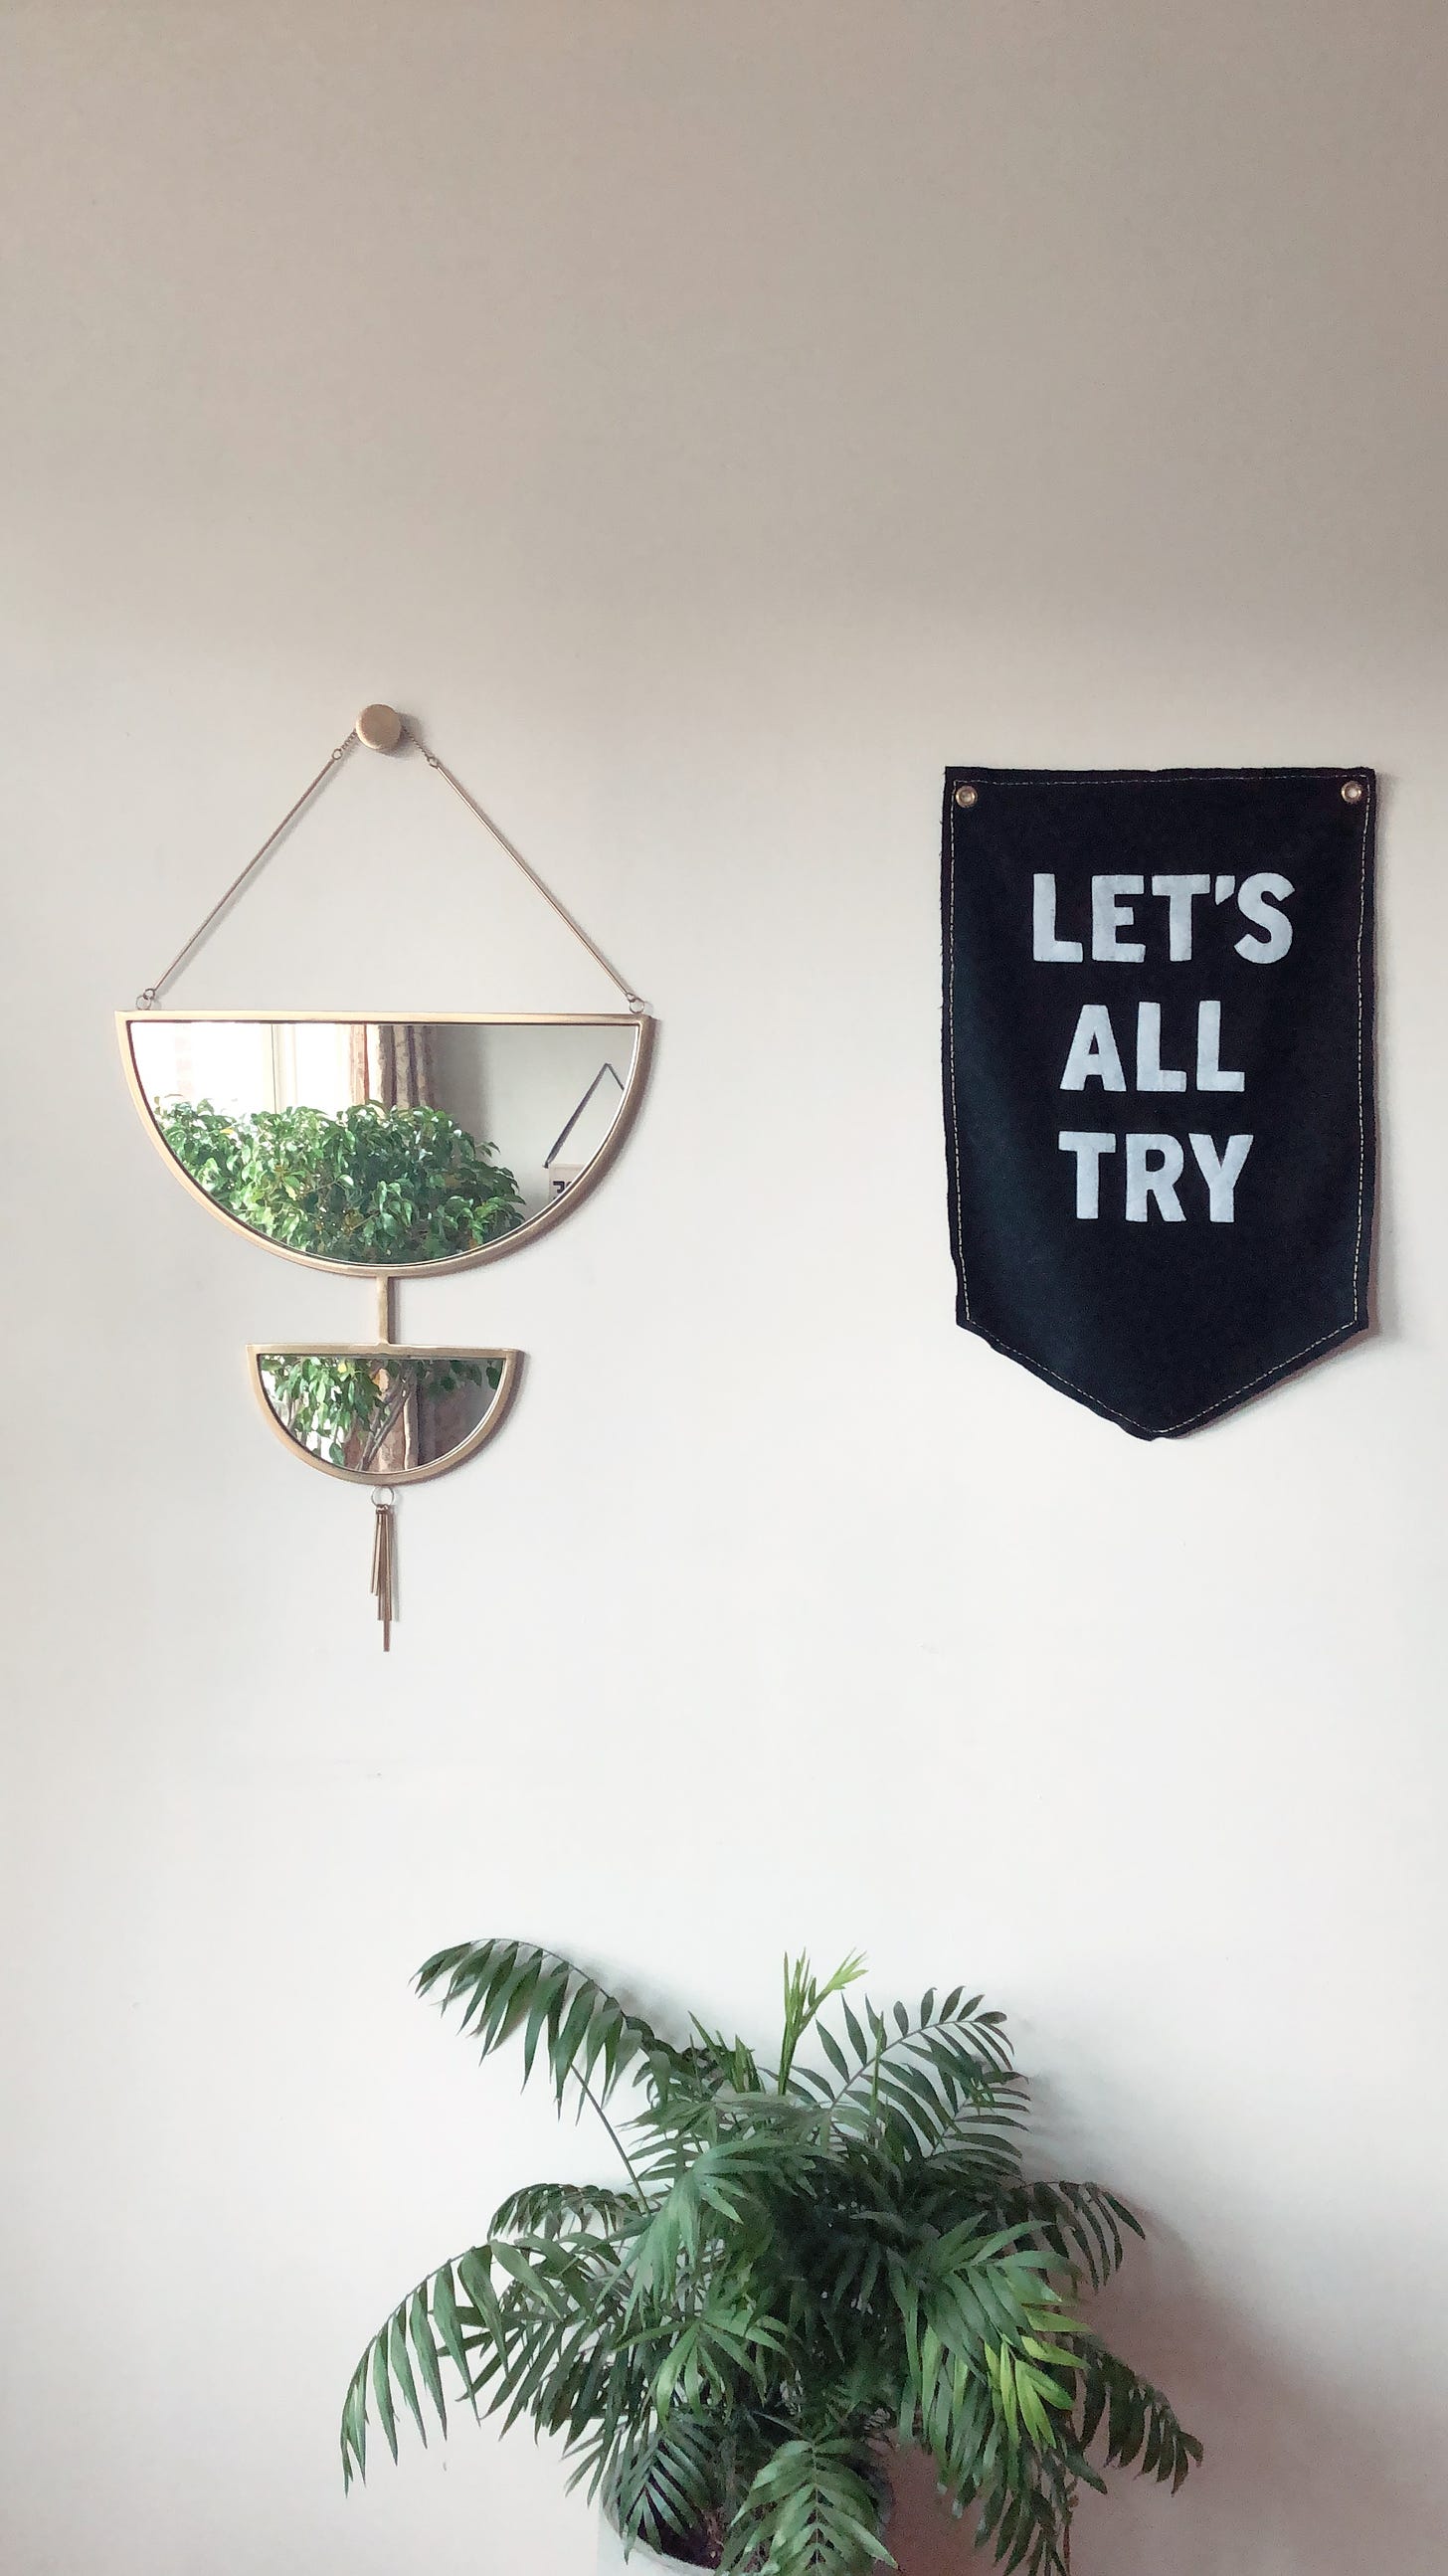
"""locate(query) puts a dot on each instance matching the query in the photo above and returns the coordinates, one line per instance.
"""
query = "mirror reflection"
(386, 1144)
(386, 1416)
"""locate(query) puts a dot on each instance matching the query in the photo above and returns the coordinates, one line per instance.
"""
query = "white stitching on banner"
(1135, 777)
(954, 1103)
(1168, 1430)
(1279, 1368)
(1362, 1117)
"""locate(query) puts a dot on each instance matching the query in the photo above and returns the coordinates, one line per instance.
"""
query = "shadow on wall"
(1300, 2478)
(924, 2539)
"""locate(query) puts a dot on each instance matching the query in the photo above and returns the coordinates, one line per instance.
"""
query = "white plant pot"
(612, 2562)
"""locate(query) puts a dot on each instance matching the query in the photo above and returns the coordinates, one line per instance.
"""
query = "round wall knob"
(380, 728)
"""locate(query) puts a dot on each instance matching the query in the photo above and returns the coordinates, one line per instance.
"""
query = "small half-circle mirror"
(387, 1146)
(393, 1415)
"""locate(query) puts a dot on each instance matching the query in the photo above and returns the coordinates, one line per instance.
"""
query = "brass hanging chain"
(387, 740)
(147, 999)
(531, 873)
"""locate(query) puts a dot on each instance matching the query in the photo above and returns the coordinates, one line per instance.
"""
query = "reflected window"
(586, 1131)
(241, 1065)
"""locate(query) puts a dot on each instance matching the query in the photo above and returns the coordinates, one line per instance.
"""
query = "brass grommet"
(1353, 791)
(967, 795)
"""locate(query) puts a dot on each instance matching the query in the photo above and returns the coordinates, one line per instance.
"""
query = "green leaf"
(445, 2318)
(833, 2052)
(382, 2390)
(426, 2351)
(402, 2369)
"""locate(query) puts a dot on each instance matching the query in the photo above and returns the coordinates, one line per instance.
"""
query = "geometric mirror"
(386, 1146)
(383, 1415)
(399, 1147)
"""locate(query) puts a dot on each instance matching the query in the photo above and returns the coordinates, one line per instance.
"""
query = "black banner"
(1158, 1076)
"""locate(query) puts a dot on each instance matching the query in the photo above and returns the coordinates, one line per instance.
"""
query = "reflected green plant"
(325, 1403)
(368, 1184)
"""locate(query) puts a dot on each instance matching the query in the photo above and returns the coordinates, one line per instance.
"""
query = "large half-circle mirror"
(390, 1146)
(390, 1415)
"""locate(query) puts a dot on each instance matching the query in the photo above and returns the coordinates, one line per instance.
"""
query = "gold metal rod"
(531, 873)
(383, 1570)
(152, 992)
(357, 1019)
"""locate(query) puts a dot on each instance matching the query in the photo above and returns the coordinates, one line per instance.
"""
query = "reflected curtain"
(391, 1061)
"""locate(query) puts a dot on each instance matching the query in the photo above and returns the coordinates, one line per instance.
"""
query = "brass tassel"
(384, 1565)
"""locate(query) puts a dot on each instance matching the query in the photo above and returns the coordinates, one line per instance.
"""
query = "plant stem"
(592, 2098)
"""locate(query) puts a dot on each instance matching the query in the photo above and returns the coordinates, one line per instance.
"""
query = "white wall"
(709, 421)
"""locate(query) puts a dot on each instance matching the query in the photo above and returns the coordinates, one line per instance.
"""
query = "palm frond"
(813, 2509)
(990, 2351)
(724, 2353)
(662, 2479)
(924, 2076)
(709, 2187)
(512, 2318)
(550, 2208)
(715, 2062)
(1025, 2516)
(431, 2318)
(1078, 2222)
(1138, 2422)
(512, 1986)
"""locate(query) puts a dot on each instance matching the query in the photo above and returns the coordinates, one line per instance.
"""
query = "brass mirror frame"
(492, 1422)
(642, 1024)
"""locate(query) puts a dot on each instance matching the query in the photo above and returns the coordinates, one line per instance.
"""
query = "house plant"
(795, 2264)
